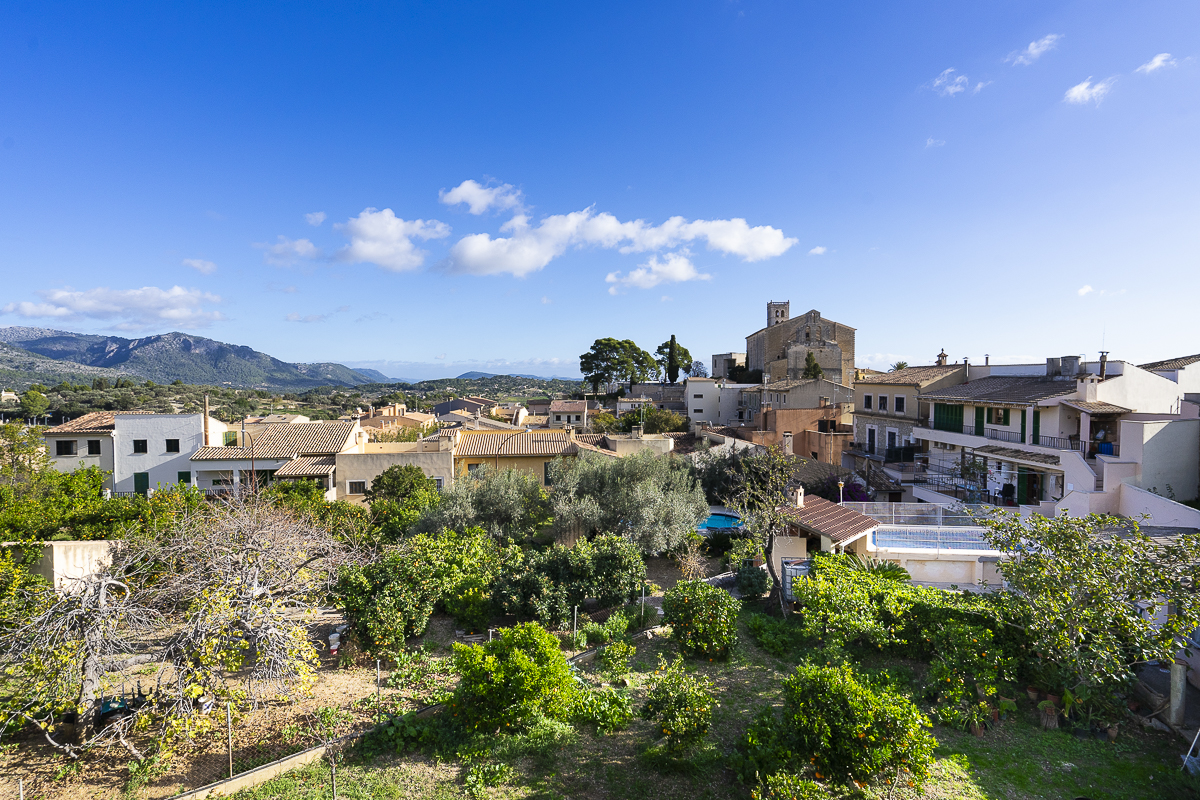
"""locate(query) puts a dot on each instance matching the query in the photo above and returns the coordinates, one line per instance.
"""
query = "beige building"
(781, 348)
(887, 406)
(355, 471)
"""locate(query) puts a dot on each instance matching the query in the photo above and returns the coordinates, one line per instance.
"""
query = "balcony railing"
(1088, 449)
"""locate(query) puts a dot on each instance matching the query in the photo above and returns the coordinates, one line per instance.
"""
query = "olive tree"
(759, 493)
(651, 500)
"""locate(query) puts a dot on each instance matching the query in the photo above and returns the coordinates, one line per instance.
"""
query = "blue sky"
(294, 177)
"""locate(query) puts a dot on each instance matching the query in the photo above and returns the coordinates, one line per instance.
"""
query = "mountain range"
(29, 355)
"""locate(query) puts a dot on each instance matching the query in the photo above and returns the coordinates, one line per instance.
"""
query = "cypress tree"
(673, 361)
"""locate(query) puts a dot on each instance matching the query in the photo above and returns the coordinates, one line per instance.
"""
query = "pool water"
(721, 521)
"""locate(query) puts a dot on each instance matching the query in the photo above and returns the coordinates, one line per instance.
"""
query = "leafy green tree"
(397, 483)
(760, 497)
(601, 364)
(653, 501)
(698, 369)
(507, 503)
(669, 356)
(653, 420)
(1102, 597)
(603, 422)
(899, 365)
(811, 368)
(34, 404)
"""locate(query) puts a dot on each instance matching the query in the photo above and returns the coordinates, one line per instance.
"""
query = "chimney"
(800, 497)
(1103, 363)
(987, 359)
(206, 420)
(942, 358)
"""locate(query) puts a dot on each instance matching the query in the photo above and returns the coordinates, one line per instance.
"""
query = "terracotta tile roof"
(591, 448)
(829, 519)
(589, 438)
(1019, 455)
(1093, 407)
(282, 440)
(913, 376)
(93, 422)
(568, 406)
(535, 443)
(468, 421)
(306, 467)
(1004, 389)
(1172, 363)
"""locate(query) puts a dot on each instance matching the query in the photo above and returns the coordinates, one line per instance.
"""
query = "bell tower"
(778, 312)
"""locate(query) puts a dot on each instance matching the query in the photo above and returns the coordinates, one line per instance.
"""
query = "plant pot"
(1134, 705)
(977, 730)
(1033, 694)
(1054, 698)
(995, 714)
(1111, 733)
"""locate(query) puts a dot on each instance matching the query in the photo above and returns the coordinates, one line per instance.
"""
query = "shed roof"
(914, 376)
(283, 440)
(533, 443)
(568, 406)
(1094, 407)
(839, 523)
(93, 422)
(1001, 389)
(307, 467)
(1172, 363)
(997, 451)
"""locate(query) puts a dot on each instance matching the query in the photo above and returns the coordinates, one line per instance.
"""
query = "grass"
(1016, 759)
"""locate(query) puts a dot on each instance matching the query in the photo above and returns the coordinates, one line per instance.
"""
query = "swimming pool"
(722, 521)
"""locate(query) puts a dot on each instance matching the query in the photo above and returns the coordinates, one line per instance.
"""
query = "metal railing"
(1003, 436)
(922, 514)
(921, 537)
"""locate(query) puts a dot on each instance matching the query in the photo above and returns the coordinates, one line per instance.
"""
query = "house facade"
(723, 363)
(568, 412)
(887, 406)
(141, 451)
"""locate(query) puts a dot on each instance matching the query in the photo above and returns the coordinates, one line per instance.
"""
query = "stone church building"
(781, 348)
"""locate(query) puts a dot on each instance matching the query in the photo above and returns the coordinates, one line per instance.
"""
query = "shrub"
(841, 727)
(752, 582)
(609, 709)
(639, 616)
(968, 666)
(778, 637)
(511, 679)
(615, 658)
(556, 580)
(703, 618)
(680, 704)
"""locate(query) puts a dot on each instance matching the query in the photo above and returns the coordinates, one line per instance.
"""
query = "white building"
(703, 399)
(141, 450)
(1100, 437)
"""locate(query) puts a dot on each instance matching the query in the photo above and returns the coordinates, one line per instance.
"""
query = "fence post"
(229, 731)
(642, 619)
(575, 626)
(378, 700)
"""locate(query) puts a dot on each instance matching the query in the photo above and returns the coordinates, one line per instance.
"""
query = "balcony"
(1087, 449)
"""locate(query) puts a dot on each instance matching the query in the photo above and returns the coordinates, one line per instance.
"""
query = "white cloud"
(532, 247)
(818, 251)
(383, 239)
(932, 142)
(200, 265)
(948, 84)
(288, 251)
(673, 268)
(1035, 50)
(545, 301)
(1085, 289)
(306, 317)
(979, 86)
(480, 198)
(315, 218)
(1158, 62)
(130, 309)
(1088, 92)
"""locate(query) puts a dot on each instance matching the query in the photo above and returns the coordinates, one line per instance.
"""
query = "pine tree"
(811, 368)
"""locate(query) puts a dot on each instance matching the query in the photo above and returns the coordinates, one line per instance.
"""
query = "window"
(183, 477)
(231, 438)
(473, 467)
(139, 446)
(93, 447)
(883, 402)
(697, 397)
(577, 418)
(783, 399)
(899, 405)
(172, 445)
(867, 402)
(438, 483)
(356, 487)
(65, 448)
(558, 417)
(998, 416)
(697, 410)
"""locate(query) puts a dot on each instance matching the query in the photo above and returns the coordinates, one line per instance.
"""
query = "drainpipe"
(206, 420)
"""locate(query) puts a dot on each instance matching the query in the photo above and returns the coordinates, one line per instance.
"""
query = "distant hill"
(497, 387)
(377, 376)
(175, 356)
(21, 368)
(474, 376)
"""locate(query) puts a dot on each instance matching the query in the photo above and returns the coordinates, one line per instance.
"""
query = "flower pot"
(1134, 705)
(1033, 694)
(1111, 733)
(995, 714)
(1053, 698)
(977, 730)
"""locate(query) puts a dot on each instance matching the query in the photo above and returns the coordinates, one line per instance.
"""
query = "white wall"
(1144, 392)
(164, 467)
(1134, 502)
(705, 407)
(1169, 453)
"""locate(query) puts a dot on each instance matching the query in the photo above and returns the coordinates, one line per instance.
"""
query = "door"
(1024, 418)
(1037, 426)
(891, 440)
(980, 413)
(1022, 480)
(141, 482)
(871, 441)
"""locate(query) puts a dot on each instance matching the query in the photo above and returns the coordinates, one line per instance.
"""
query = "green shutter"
(1023, 418)
(183, 477)
(141, 482)
(947, 418)
(1037, 426)
(1022, 477)
(980, 413)
(1006, 417)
